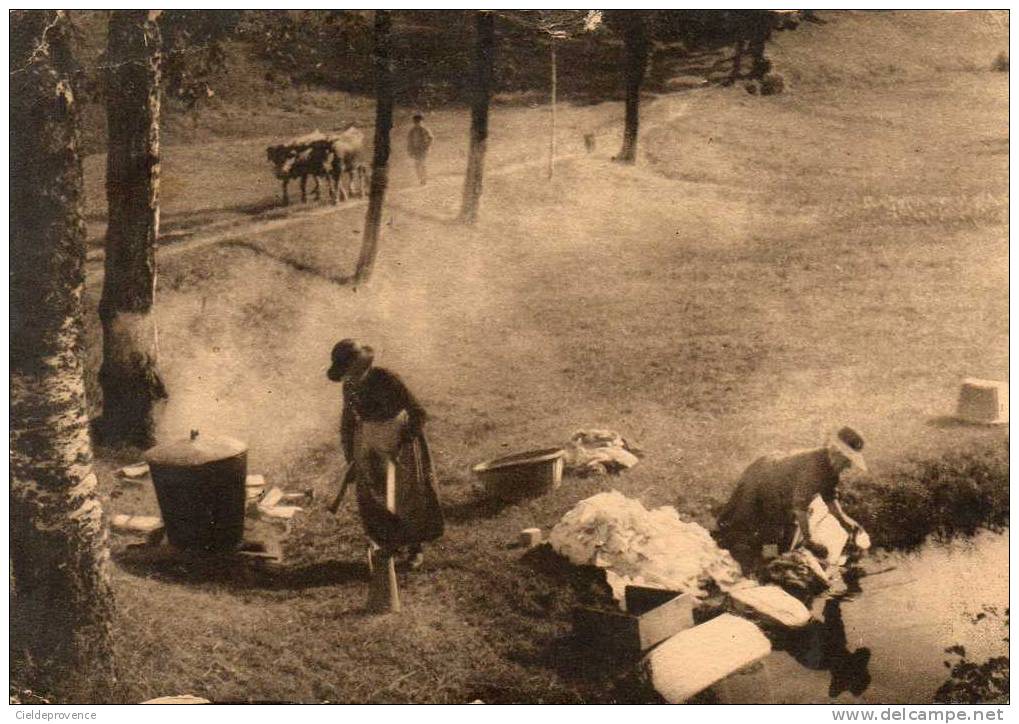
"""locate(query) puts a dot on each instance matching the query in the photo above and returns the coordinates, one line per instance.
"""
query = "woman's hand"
(850, 525)
(835, 508)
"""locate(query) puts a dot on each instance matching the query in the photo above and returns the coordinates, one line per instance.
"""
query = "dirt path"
(664, 110)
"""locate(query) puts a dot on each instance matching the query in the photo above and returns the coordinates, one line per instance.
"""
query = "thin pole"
(384, 596)
(551, 143)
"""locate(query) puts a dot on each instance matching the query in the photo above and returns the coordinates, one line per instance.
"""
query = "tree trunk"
(635, 40)
(484, 50)
(129, 375)
(62, 604)
(383, 59)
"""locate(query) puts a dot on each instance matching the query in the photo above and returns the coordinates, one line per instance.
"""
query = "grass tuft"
(956, 494)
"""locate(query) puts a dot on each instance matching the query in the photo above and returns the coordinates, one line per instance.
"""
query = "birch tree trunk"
(484, 51)
(383, 61)
(129, 375)
(636, 45)
(62, 604)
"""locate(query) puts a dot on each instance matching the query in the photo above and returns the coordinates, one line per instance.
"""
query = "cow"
(347, 149)
(298, 161)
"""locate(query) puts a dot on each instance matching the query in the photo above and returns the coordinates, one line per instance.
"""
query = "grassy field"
(771, 267)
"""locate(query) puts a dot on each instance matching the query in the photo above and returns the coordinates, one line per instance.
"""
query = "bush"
(956, 494)
(1001, 62)
(970, 682)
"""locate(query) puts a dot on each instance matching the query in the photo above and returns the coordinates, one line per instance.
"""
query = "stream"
(886, 644)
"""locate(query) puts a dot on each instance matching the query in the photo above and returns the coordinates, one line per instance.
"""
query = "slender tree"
(62, 605)
(484, 52)
(633, 26)
(382, 58)
(129, 375)
(554, 105)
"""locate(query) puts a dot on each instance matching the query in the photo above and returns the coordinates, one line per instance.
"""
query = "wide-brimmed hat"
(847, 442)
(347, 353)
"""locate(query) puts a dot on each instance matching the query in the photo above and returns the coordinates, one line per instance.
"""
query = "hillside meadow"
(771, 267)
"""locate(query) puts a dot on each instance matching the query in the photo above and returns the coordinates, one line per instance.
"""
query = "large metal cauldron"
(200, 487)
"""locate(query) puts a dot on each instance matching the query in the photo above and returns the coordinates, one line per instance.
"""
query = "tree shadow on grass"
(314, 575)
(192, 217)
(608, 674)
(181, 223)
(540, 597)
(295, 264)
(234, 571)
(476, 507)
(951, 422)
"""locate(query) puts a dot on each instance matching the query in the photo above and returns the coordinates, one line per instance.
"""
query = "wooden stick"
(390, 486)
(384, 596)
(348, 476)
(868, 574)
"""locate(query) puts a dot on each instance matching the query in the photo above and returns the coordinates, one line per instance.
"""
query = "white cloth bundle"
(637, 546)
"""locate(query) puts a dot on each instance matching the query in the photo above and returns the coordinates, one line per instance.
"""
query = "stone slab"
(693, 660)
(771, 604)
(137, 471)
(271, 498)
(284, 512)
(145, 524)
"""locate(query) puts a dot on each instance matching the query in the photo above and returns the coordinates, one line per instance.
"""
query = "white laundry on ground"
(596, 452)
(637, 546)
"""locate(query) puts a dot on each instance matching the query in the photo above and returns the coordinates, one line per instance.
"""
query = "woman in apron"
(382, 435)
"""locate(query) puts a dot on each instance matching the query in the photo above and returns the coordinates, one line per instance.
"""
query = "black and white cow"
(299, 161)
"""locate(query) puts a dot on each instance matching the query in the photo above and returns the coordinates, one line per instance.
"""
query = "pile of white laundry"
(596, 452)
(637, 546)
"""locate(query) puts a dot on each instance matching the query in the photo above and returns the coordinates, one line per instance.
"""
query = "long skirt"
(417, 517)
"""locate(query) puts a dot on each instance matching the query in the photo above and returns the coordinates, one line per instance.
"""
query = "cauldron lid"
(195, 450)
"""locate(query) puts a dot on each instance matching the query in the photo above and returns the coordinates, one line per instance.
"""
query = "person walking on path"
(419, 140)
